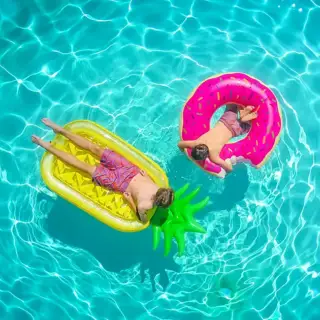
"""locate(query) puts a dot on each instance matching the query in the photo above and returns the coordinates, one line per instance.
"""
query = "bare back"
(215, 139)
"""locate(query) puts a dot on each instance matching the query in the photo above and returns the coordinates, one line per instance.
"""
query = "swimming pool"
(130, 65)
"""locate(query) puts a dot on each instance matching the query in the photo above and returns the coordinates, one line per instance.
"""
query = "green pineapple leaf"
(176, 220)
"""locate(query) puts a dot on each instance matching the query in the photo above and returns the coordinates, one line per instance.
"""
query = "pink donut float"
(240, 89)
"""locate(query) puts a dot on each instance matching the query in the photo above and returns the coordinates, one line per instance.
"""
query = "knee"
(90, 170)
(96, 150)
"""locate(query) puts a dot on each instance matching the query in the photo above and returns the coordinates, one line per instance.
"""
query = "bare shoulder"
(214, 153)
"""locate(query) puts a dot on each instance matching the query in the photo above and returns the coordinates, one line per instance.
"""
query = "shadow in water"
(235, 187)
(235, 183)
(115, 250)
(118, 251)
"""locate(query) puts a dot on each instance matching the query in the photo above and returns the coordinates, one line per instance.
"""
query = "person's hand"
(143, 216)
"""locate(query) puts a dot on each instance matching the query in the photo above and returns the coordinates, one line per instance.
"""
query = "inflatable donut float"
(240, 89)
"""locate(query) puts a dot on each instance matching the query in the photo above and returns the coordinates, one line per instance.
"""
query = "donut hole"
(238, 138)
(216, 116)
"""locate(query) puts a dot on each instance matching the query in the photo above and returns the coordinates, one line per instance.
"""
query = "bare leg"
(64, 156)
(249, 117)
(247, 114)
(244, 111)
(75, 138)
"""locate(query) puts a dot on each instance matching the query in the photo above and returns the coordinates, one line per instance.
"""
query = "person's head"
(200, 152)
(163, 198)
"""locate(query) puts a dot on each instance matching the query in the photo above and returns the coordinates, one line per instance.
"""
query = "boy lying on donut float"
(235, 121)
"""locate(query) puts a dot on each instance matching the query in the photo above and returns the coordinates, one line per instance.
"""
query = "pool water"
(130, 65)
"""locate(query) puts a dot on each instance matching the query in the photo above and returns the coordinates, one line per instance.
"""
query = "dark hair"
(164, 197)
(200, 152)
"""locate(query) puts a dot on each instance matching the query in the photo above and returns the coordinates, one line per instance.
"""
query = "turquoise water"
(130, 65)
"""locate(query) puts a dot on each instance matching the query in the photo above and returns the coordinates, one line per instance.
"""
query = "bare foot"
(52, 125)
(44, 144)
(249, 117)
(245, 111)
(228, 165)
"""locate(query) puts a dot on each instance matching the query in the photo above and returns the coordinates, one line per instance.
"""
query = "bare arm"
(129, 198)
(187, 144)
(222, 163)
(141, 211)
